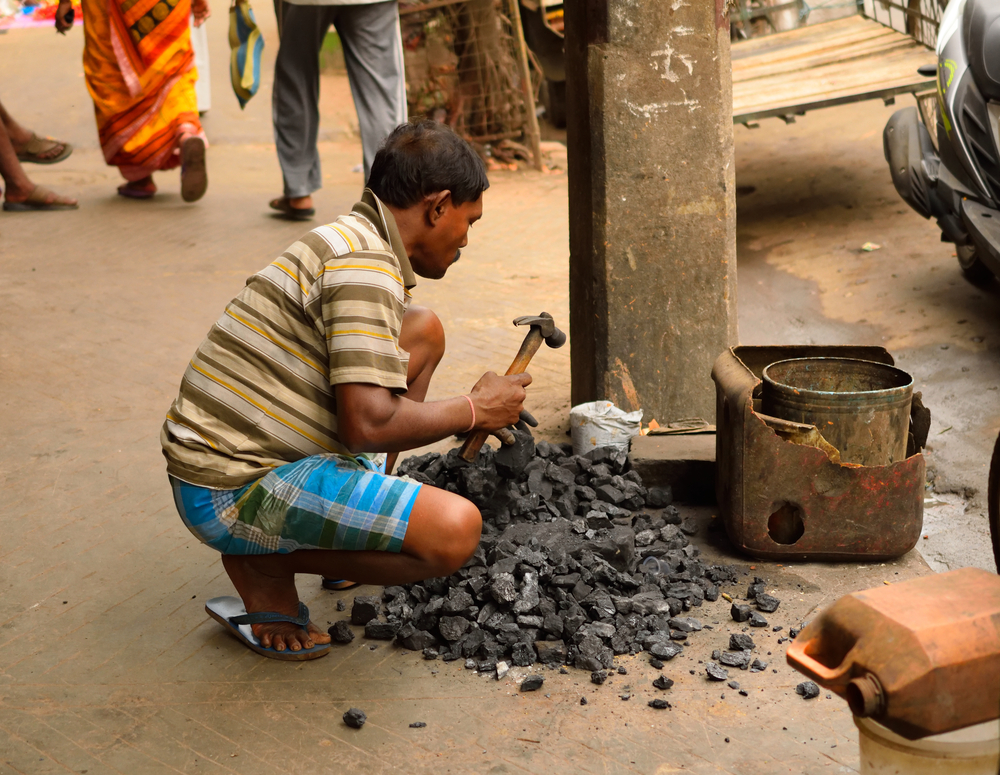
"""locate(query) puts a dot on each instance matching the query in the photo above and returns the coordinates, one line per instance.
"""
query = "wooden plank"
(832, 63)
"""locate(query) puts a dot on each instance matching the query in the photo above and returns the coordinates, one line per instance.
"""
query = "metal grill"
(919, 18)
(467, 66)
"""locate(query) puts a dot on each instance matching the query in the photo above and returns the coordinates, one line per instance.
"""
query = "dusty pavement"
(107, 663)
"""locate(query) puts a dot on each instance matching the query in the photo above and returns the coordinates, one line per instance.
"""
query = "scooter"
(958, 182)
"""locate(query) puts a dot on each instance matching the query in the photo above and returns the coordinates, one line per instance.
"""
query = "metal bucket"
(860, 407)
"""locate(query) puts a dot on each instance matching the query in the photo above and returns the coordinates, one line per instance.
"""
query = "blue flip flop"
(230, 613)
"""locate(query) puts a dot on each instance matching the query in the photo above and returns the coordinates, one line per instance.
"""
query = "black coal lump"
(659, 704)
(355, 718)
(740, 613)
(756, 620)
(418, 725)
(341, 632)
(663, 682)
(739, 641)
(598, 677)
(365, 609)
(807, 690)
(716, 673)
(532, 683)
(767, 603)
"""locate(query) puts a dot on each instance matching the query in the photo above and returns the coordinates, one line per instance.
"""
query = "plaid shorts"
(320, 502)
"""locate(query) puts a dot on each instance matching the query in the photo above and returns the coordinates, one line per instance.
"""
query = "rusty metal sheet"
(781, 500)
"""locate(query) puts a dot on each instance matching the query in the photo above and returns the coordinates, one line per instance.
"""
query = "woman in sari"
(139, 67)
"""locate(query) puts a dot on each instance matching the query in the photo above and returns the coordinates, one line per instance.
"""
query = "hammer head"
(543, 321)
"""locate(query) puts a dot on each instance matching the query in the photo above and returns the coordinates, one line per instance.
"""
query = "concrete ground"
(107, 662)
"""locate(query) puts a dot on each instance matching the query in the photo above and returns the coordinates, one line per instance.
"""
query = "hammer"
(542, 329)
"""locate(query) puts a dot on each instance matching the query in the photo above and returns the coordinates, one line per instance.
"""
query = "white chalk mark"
(655, 108)
(668, 54)
(682, 30)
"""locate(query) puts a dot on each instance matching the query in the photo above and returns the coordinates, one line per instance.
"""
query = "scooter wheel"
(993, 505)
(975, 271)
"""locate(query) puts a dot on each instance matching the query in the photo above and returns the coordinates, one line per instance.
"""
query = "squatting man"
(282, 439)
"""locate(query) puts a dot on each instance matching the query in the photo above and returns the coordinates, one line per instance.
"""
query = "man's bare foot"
(138, 189)
(264, 585)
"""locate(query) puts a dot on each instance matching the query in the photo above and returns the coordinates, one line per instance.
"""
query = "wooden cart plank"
(827, 64)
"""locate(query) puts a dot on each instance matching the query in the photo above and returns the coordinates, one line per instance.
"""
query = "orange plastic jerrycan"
(921, 657)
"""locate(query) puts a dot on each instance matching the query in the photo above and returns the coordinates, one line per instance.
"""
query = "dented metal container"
(783, 491)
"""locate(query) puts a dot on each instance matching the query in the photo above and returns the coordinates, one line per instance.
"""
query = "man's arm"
(373, 419)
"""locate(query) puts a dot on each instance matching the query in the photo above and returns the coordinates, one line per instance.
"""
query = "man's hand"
(200, 11)
(64, 16)
(499, 401)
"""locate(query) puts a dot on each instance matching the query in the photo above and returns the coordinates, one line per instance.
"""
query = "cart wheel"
(975, 271)
(993, 505)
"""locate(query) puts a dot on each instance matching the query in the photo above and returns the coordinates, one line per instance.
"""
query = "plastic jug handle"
(799, 658)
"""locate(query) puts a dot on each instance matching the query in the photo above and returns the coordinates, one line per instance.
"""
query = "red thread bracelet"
(472, 406)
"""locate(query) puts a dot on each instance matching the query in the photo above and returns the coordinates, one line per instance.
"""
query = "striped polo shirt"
(258, 392)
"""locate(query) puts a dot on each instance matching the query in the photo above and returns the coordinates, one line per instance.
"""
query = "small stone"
(658, 704)
(583, 700)
(532, 683)
(767, 603)
(430, 654)
(470, 664)
(757, 666)
(756, 620)
(734, 685)
(807, 690)
(716, 673)
(341, 632)
(622, 670)
(665, 651)
(502, 669)
(598, 677)
(418, 725)
(663, 683)
(378, 630)
(739, 641)
(355, 718)
(365, 609)
(341, 605)
(625, 697)
(656, 663)
(685, 624)
(740, 613)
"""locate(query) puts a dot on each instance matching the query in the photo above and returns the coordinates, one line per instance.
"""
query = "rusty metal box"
(783, 500)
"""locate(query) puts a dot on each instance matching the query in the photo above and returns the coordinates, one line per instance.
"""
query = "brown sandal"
(39, 145)
(41, 199)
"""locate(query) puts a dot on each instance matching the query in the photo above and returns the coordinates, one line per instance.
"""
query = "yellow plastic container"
(973, 750)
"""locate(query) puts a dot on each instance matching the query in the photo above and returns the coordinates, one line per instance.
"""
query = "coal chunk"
(659, 704)
(716, 673)
(418, 725)
(355, 718)
(807, 690)
(767, 603)
(740, 613)
(453, 627)
(756, 620)
(532, 683)
(365, 609)
(511, 460)
(665, 651)
(341, 632)
(663, 682)
(739, 641)
(598, 677)
(379, 630)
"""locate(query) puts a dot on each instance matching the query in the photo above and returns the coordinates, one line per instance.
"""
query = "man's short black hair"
(423, 158)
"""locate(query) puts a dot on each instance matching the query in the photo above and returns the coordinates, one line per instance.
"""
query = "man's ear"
(437, 205)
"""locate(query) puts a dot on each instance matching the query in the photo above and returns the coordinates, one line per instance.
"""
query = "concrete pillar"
(651, 202)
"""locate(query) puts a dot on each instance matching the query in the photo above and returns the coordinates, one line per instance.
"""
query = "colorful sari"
(140, 72)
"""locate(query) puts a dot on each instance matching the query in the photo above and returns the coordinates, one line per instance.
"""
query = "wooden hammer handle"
(474, 441)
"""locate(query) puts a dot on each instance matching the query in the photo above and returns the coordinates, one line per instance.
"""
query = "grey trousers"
(373, 53)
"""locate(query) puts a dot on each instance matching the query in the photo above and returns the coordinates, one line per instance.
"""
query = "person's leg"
(21, 137)
(19, 185)
(442, 533)
(295, 98)
(373, 53)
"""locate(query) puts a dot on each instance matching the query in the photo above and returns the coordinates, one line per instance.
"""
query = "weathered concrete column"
(651, 202)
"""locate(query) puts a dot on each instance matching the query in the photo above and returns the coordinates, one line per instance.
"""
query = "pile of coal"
(578, 562)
